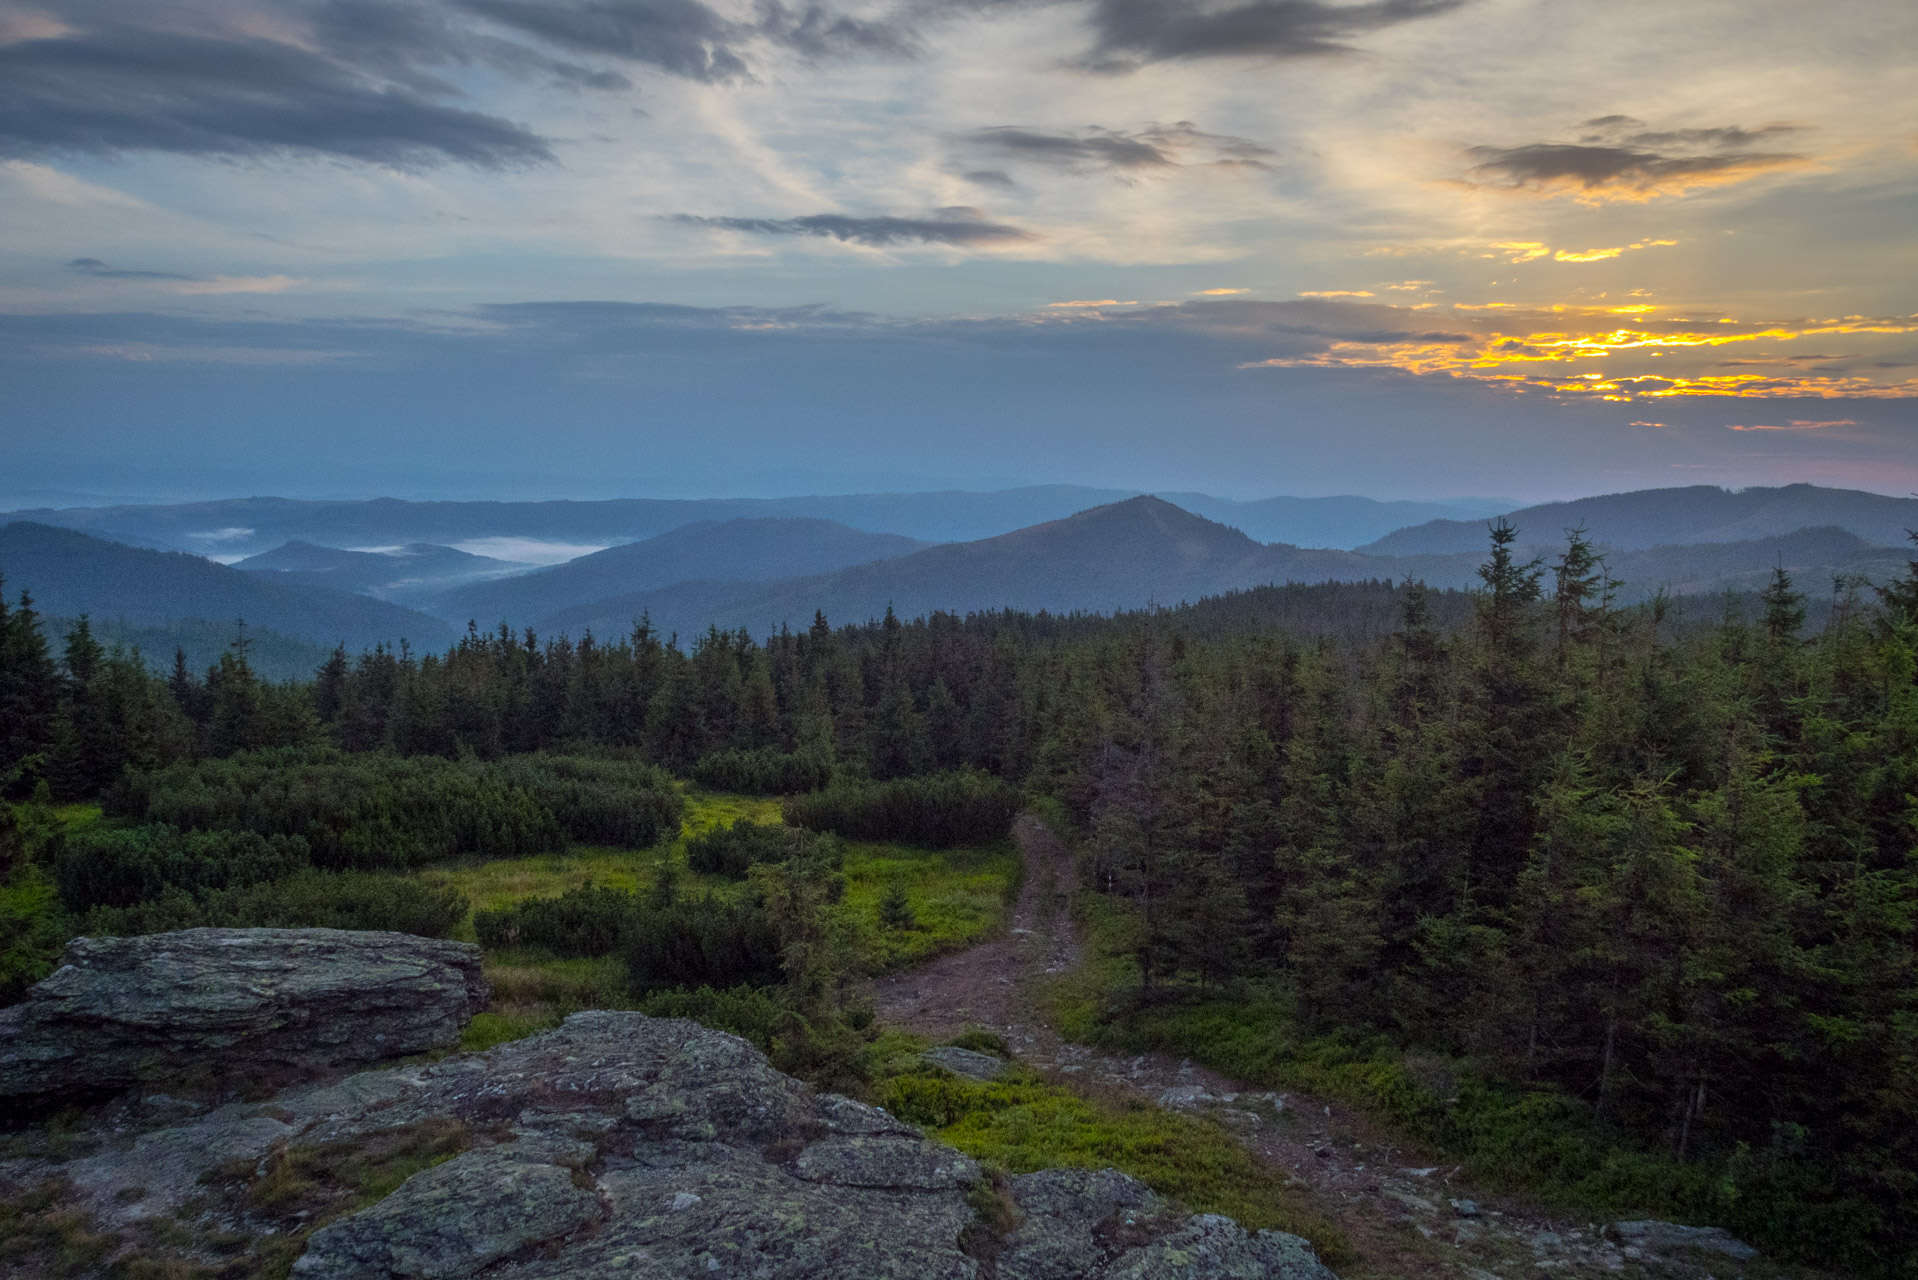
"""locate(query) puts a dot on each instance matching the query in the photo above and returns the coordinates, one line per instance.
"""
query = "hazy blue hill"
(1342, 522)
(251, 525)
(71, 573)
(1811, 556)
(403, 574)
(748, 550)
(243, 526)
(1667, 517)
(1121, 556)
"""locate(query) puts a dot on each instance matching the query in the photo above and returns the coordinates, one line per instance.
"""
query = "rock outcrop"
(259, 1004)
(620, 1144)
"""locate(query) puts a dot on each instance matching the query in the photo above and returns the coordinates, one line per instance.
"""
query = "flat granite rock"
(234, 1003)
(623, 1145)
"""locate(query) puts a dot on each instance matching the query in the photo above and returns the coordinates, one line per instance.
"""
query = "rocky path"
(1407, 1214)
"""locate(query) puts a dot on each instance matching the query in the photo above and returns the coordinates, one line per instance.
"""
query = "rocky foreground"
(616, 1145)
(219, 1005)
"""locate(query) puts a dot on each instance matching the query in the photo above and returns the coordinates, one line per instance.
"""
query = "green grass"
(959, 897)
(1021, 1123)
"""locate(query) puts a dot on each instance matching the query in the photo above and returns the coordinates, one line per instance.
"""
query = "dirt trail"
(1407, 1215)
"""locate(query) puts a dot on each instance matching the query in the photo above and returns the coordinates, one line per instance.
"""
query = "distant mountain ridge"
(401, 574)
(70, 573)
(755, 549)
(248, 526)
(1124, 555)
(1648, 518)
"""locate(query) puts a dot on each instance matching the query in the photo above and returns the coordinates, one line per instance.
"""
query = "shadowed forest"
(1613, 904)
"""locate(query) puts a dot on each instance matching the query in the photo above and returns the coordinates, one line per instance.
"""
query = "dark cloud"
(120, 88)
(990, 178)
(1157, 147)
(101, 271)
(820, 33)
(681, 36)
(1618, 158)
(1102, 149)
(1134, 32)
(956, 226)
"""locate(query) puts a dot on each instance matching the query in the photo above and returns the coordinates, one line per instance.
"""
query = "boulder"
(966, 1062)
(1648, 1233)
(253, 1004)
(621, 1144)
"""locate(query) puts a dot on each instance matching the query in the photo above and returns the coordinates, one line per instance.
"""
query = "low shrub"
(734, 850)
(763, 772)
(308, 899)
(683, 942)
(937, 811)
(102, 866)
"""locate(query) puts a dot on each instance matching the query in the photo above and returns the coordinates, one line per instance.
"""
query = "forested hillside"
(732, 550)
(70, 573)
(1607, 904)
(1670, 517)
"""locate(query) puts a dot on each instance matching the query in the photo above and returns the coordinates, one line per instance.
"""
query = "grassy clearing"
(957, 897)
(1021, 1123)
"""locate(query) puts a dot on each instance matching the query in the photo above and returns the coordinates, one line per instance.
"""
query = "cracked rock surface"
(620, 1144)
(238, 1002)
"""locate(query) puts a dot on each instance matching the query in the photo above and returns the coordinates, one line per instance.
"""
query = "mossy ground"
(1023, 1122)
(958, 897)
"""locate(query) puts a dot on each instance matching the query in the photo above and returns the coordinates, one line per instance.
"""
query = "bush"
(733, 851)
(614, 802)
(102, 866)
(587, 921)
(308, 899)
(937, 811)
(33, 931)
(828, 1049)
(685, 942)
(763, 772)
(382, 811)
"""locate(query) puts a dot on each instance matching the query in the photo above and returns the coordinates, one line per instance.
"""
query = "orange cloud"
(1337, 293)
(1218, 293)
(1650, 359)
(1094, 302)
(1796, 424)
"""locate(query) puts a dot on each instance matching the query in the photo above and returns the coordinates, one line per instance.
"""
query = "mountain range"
(69, 574)
(1671, 517)
(233, 528)
(400, 574)
(762, 572)
(753, 549)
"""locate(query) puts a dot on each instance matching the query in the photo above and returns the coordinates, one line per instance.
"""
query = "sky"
(589, 248)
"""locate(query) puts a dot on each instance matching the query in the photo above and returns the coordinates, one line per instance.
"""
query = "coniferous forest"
(1618, 902)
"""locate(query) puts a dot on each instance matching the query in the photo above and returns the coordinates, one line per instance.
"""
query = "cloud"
(1155, 147)
(101, 271)
(1796, 424)
(1218, 293)
(1131, 33)
(1094, 302)
(189, 286)
(1614, 159)
(121, 88)
(683, 37)
(959, 225)
(990, 178)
